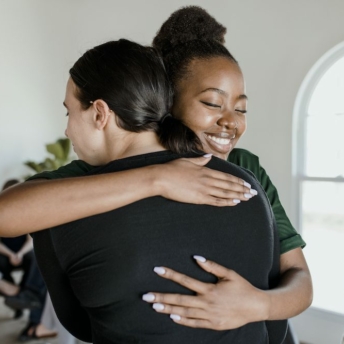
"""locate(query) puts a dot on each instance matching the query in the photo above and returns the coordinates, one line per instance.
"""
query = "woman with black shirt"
(97, 269)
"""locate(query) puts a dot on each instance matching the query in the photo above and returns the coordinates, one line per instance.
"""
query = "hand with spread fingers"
(230, 303)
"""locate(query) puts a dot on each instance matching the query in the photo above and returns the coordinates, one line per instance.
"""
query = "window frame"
(299, 128)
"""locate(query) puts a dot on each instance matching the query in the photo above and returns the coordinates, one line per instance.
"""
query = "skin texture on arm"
(294, 293)
(40, 204)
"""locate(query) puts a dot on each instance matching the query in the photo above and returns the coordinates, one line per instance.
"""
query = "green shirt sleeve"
(289, 237)
(76, 168)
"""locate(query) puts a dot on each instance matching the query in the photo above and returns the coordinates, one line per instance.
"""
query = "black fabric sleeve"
(70, 313)
(277, 329)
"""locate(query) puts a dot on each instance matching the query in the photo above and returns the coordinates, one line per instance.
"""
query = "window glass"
(323, 230)
(325, 125)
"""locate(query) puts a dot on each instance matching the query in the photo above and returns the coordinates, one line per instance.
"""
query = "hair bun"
(188, 24)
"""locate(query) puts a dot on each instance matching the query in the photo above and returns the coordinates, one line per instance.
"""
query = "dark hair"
(189, 33)
(10, 183)
(132, 80)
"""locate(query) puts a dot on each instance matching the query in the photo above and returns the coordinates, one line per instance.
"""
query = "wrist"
(264, 305)
(158, 180)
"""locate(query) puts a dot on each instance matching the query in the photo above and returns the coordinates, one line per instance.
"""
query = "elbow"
(307, 290)
(309, 299)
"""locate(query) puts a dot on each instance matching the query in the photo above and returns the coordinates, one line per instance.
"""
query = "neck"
(126, 144)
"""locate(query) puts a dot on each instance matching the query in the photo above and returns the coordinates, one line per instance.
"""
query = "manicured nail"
(175, 317)
(200, 259)
(158, 306)
(148, 297)
(247, 185)
(160, 271)
(254, 192)
(248, 195)
(236, 201)
(207, 155)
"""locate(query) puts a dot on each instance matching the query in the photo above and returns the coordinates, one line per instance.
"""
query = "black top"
(97, 268)
(14, 244)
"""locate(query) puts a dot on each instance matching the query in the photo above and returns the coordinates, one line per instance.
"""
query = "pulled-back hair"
(132, 80)
(189, 33)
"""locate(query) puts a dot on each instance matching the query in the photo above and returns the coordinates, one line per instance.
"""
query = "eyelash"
(218, 106)
(67, 114)
(212, 105)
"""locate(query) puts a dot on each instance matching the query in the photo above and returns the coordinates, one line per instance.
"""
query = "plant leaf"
(56, 150)
(33, 166)
(65, 144)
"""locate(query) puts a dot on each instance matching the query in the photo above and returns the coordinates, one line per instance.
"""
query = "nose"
(66, 134)
(228, 120)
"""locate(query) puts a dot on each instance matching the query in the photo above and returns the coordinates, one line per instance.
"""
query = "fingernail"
(175, 317)
(248, 195)
(254, 192)
(207, 155)
(158, 306)
(160, 271)
(148, 297)
(236, 201)
(247, 185)
(200, 259)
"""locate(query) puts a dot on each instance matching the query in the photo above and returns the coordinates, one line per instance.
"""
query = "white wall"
(34, 59)
(276, 43)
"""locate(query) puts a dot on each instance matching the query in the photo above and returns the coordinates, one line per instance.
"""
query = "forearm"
(41, 204)
(292, 296)
(294, 292)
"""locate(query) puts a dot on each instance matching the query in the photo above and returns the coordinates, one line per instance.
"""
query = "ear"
(102, 113)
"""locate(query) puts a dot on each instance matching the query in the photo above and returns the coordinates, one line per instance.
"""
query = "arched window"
(318, 170)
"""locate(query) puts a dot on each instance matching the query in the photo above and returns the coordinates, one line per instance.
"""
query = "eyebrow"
(65, 105)
(217, 90)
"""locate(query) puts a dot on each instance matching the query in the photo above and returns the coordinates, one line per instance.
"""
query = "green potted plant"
(60, 156)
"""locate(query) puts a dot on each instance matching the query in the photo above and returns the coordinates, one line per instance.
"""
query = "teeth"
(218, 140)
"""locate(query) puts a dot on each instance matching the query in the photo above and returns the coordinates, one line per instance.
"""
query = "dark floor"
(9, 328)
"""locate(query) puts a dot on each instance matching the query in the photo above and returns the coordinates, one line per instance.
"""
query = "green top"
(289, 237)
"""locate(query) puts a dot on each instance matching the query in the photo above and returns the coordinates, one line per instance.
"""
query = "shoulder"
(245, 159)
(242, 157)
(76, 168)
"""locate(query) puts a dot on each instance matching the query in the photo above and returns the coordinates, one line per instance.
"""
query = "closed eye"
(211, 104)
(241, 111)
(67, 114)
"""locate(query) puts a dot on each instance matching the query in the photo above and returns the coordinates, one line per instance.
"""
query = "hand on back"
(189, 181)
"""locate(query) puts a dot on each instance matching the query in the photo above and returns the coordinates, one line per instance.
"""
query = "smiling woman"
(209, 84)
(122, 122)
(213, 103)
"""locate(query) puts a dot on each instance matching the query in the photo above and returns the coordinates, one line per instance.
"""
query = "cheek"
(199, 121)
(242, 125)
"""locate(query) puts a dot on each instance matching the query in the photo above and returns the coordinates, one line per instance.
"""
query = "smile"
(219, 140)
(221, 143)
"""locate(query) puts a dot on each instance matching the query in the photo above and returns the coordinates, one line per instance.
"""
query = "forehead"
(70, 87)
(217, 72)
(71, 90)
